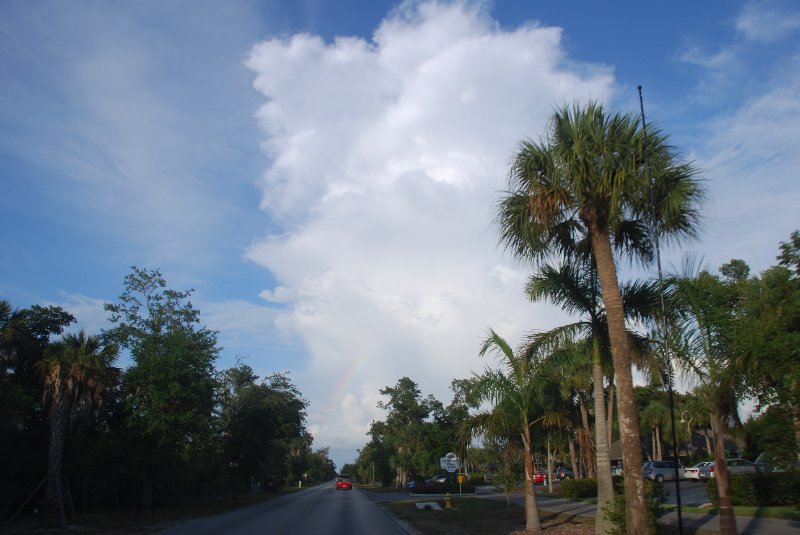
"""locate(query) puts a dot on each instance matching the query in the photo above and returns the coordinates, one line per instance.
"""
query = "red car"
(539, 477)
(343, 482)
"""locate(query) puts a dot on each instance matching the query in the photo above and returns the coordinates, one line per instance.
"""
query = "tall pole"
(663, 314)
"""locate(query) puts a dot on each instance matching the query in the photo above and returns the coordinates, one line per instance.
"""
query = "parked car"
(661, 470)
(539, 477)
(564, 473)
(693, 472)
(343, 482)
(441, 478)
(735, 466)
(768, 463)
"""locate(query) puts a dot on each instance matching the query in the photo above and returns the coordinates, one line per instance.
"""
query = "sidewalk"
(691, 521)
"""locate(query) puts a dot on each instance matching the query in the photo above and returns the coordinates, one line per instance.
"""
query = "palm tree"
(655, 416)
(76, 372)
(702, 307)
(514, 393)
(587, 178)
(574, 287)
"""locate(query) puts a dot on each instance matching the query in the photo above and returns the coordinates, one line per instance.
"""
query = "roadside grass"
(134, 522)
(478, 517)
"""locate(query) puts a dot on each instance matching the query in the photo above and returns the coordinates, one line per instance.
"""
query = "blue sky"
(323, 174)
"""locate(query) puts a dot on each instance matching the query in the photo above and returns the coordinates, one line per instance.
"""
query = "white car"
(693, 472)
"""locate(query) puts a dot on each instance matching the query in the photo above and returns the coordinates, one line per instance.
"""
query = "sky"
(324, 174)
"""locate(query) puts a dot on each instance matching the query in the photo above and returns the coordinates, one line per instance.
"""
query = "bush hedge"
(761, 490)
(578, 488)
(654, 497)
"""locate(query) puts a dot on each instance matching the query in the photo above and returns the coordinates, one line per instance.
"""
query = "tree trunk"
(709, 449)
(572, 456)
(532, 522)
(652, 456)
(55, 457)
(589, 453)
(610, 419)
(727, 520)
(605, 485)
(635, 507)
(658, 443)
(549, 467)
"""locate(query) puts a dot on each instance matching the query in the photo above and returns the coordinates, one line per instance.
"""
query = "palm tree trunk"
(658, 443)
(727, 520)
(58, 429)
(549, 467)
(653, 445)
(588, 447)
(572, 456)
(605, 485)
(532, 522)
(635, 507)
(708, 441)
(610, 424)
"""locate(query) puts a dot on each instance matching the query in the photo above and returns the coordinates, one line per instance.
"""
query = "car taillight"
(711, 469)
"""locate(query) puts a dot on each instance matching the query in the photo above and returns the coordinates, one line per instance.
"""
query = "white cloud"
(387, 160)
(751, 159)
(768, 21)
(88, 311)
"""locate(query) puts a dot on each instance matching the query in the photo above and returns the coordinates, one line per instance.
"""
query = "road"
(319, 510)
(693, 493)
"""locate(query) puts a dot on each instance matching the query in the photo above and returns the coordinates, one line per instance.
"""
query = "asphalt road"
(693, 493)
(320, 510)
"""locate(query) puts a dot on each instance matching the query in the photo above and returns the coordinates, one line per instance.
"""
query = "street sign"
(449, 462)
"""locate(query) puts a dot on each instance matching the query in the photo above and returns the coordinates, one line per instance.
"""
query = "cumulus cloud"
(387, 159)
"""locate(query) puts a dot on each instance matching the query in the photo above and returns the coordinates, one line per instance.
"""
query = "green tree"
(587, 178)
(169, 391)
(575, 288)
(655, 417)
(704, 306)
(77, 371)
(514, 394)
(25, 335)
(767, 332)
(263, 425)
(406, 432)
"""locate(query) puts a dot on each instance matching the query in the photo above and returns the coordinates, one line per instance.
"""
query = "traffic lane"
(693, 493)
(322, 509)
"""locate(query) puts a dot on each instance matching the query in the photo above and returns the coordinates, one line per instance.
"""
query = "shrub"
(578, 488)
(761, 490)
(653, 495)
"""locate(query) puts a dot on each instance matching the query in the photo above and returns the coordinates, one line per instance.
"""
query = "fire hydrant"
(447, 503)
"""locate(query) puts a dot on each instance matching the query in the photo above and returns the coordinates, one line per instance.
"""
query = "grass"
(135, 522)
(470, 515)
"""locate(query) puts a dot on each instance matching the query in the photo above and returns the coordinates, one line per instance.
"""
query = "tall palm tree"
(514, 393)
(574, 287)
(587, 177)
(76, 371)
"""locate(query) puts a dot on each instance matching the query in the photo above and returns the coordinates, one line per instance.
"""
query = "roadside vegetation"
(168, 431)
